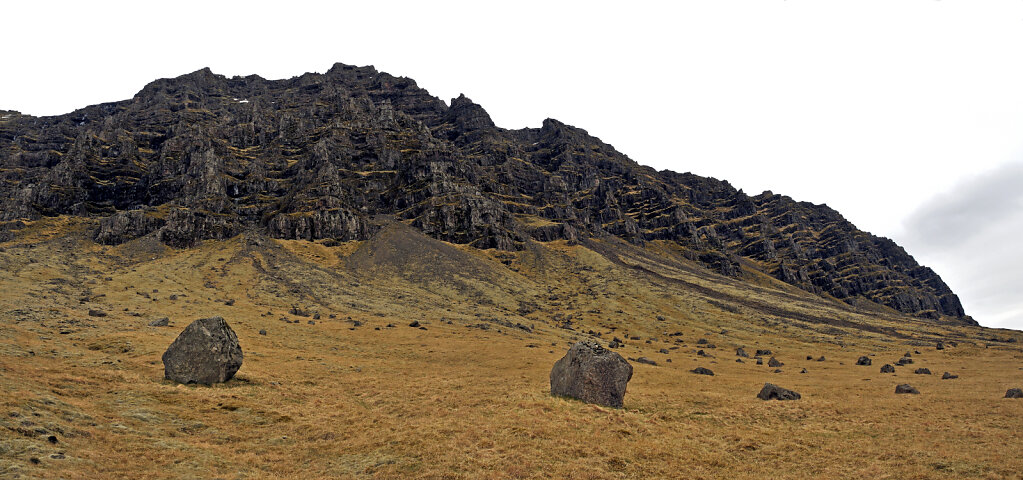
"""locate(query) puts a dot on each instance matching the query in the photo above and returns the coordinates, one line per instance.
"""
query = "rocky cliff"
(203, 156)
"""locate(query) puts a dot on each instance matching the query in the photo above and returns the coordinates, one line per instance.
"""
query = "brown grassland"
(469, 397)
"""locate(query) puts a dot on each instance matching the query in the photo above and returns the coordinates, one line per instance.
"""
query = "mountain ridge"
(319, 156)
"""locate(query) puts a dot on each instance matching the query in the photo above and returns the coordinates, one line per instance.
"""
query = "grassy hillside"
(358, 393)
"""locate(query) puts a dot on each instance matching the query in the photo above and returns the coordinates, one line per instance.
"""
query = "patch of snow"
(5, 117)
(243, 101)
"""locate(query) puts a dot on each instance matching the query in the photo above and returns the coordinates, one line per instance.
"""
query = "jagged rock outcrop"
(203, 156)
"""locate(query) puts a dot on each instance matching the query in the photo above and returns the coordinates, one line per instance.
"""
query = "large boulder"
(591, 373)
(774, 392)
(207, 352)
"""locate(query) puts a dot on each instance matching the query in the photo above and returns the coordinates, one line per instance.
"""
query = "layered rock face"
(203, 156)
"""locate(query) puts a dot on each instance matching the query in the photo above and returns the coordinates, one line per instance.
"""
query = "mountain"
(337, 155)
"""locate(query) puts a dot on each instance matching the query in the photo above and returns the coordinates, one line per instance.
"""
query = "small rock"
(773, 362)
(646, 361)
(97, 313)
(905, 388)
(762, 353)
(939, 346)
(262, 332)
(414, 324)
(311, 322)
(760, 361)
(702, 341)
(160, 322)
(738, 360)
(802, 371)
(774, 392)
(864, 360)
(1014, 393)
(922, 371)
(948, 376)
(904, 361)
(664, 351)
(887, 368)
(821, 359)
(739, 352)
(702, 371)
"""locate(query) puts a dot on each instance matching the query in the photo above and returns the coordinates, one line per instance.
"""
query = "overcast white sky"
(905, 116)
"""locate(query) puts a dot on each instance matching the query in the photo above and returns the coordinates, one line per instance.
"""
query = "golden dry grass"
(332, 400)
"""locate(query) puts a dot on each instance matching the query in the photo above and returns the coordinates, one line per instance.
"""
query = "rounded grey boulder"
(591, 373)
(206, 351)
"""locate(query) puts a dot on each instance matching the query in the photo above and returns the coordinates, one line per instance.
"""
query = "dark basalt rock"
(206, 352)
(948, 376)
(702, 371)
(922, 371)
(887, 368)
(202, 156)
(160, 322)
(773, 362)
(591, 373)
(774, 392)
(906, 388)
(1014, 393)
(741, 353)
(864, 360)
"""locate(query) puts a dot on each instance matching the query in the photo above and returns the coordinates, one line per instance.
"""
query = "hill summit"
(327, 156)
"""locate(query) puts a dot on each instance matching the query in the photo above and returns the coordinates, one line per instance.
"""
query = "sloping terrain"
(342, 387)
(203, 157)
